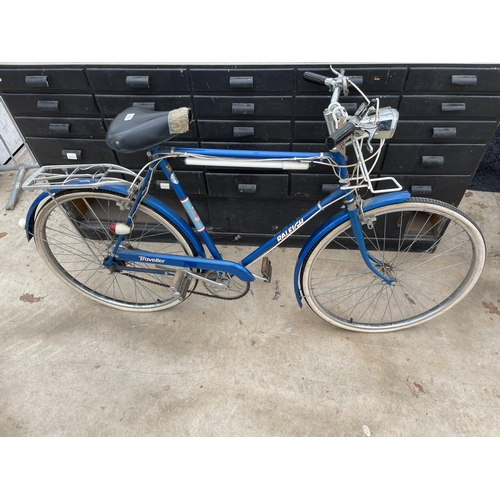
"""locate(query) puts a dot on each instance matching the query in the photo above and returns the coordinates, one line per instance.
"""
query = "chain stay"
(193, 292)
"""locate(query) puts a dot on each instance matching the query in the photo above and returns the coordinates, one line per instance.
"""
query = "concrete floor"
(260, 366)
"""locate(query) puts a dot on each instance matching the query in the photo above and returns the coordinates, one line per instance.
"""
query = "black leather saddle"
(138, 128)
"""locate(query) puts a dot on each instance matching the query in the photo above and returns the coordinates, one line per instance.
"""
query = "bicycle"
(380, 264)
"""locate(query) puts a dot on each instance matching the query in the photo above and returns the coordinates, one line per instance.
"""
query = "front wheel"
(72, 233)
(432, 251)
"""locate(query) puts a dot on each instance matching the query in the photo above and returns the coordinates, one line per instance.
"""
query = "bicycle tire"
(433, 251)
(72, 235)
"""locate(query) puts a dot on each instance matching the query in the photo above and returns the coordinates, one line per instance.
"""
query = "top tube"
(250, 154)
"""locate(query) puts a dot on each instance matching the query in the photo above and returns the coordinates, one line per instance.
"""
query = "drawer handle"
(137, 82)
(147, 105)
(432, 161)
(72, 154)
(464, 80)
(328, 188)
(247, 188)
(60, 128)
(357, 80)
(421, 190)
(444, 132)
(37, 81)
(243, 132)
(241, 82)
(243, 108)
(453, 106)
(48, 105)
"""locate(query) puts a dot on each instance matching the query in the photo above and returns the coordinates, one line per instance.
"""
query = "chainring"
(236, 288)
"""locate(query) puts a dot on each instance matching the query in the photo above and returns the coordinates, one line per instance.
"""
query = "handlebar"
(381, 124)
(315, 77)
(339, 135)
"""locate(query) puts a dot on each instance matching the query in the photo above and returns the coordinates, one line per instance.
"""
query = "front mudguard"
(336, 220)
(148, 201)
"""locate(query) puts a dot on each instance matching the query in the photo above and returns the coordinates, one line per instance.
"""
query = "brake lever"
(369, 141)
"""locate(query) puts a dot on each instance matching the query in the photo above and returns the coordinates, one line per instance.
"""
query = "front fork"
(369, 260)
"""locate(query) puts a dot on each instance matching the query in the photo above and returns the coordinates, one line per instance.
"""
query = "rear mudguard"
(336, 220)
(149, 201)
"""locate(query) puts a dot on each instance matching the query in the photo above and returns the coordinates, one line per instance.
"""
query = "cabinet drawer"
(313, 106)
(193, 182)
(310, 185)
(70, 151)
(445, 131)
(112, 105)
(374, 80)
(139, 80)
(449, 159)
(245, 130)
(61, 127)
(310, 131)
(449, 107)
(457, 79)
(440, 187)
(54, 104)
(42, 79)
(264, 217)
(243, 106)
(247, 185)
(243, 80)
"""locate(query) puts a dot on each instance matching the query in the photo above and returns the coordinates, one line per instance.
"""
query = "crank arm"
(171, 270)
(206, 280)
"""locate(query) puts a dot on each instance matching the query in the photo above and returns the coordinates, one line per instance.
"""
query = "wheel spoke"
(433, 253)
(73, 236)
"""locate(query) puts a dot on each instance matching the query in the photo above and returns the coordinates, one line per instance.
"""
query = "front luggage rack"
(89, 175)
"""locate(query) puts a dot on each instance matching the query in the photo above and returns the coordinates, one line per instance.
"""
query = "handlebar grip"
(314, 77)
(340, 134)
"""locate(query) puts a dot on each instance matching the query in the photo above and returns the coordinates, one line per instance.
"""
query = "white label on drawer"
(164, 185)
(71, 156)
(129, 117)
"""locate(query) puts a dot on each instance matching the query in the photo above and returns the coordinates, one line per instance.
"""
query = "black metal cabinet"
(448, 116)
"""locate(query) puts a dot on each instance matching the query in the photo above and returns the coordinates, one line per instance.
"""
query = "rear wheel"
(72, 235)
(432, 251)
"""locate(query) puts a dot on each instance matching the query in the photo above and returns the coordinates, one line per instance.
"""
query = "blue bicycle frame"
(216, 263)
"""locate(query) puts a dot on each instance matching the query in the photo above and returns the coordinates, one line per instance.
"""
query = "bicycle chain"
(193, 292)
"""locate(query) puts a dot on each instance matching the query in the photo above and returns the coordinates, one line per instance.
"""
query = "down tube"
(282, 235)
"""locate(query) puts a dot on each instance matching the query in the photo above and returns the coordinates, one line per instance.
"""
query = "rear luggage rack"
(89, 175)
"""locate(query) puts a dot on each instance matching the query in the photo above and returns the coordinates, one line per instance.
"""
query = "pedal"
(180, 284)
(266, 269)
